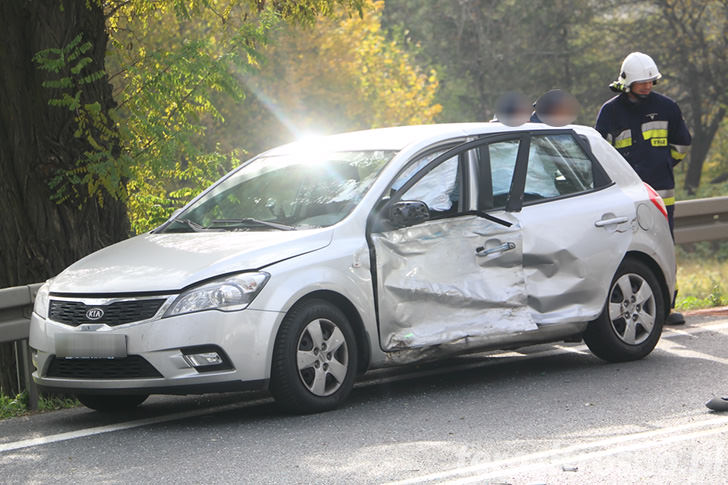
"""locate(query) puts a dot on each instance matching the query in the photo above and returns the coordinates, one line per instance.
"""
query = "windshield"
(285, 193)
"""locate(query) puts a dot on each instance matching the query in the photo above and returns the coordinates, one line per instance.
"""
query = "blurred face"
(642, 88)
(561, 112)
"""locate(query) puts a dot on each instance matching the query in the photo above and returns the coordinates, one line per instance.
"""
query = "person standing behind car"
(556, 108)
(647, 129)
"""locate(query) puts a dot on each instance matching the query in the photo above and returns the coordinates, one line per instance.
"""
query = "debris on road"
(718, 404)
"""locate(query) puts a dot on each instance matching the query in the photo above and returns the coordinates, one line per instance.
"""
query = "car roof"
(399, 137)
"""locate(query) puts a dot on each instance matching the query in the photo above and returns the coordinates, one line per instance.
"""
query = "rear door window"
(559, 166)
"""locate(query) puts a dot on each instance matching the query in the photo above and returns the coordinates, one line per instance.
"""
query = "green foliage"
(701, 275)
(178, 66)
(702, 251)
(185, 102)
(11, 407)
(717, 297)
(714, 173)
(99, 167)
(168, 89)
(172, 63)
(483, 49)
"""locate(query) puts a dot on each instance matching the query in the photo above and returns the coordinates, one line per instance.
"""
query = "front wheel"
(314, 359)
(110, 403)
(631, 322)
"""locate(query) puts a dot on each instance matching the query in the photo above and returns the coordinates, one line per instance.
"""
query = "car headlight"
(40, 306)
(230, 293)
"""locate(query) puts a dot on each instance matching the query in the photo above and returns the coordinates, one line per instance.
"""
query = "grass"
(702, 275)
(11, 407)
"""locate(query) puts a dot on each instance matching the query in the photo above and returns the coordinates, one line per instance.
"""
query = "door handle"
(609, 222)
(481, 251)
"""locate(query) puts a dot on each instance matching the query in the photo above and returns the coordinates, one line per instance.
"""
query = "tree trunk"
(40, 237)
(8, 376)
(703, 136)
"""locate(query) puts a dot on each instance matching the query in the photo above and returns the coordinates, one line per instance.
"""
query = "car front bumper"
(243, 338)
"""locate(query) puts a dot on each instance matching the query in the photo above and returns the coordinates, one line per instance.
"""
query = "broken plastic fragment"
(718, 404)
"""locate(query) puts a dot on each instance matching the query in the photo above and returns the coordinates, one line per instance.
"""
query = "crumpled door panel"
(433, 289)
(568, 261)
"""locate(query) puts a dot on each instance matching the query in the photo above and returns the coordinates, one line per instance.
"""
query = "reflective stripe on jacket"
(650, 134)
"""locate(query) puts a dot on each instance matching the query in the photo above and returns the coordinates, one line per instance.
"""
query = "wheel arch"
(657, 271)
(357, 323)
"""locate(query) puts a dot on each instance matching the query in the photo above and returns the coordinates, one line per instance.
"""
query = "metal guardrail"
(695, 220)
(701, 220)
(16, 304)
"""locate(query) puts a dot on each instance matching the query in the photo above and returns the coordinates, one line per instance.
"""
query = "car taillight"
(656, 199)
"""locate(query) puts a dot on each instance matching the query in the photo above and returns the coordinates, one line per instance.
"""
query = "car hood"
(171, 262)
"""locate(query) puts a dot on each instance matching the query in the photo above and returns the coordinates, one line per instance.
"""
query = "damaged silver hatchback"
(319, 260)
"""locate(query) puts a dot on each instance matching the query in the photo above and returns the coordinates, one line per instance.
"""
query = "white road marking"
(597, 454)
(493, 359)
(576, 453)
(82, 433)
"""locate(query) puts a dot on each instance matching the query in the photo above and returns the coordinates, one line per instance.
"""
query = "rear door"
(577, 226)
(457, 277)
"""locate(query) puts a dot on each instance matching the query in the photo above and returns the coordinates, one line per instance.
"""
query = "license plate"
(90, 345)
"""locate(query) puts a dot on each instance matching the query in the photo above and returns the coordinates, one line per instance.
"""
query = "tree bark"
(703, 136)
(40, 237)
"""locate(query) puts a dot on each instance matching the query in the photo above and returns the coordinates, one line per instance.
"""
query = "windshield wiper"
(256, 222)
(192, 224)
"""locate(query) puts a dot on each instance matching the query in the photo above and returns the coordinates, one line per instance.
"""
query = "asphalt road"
(546, 414)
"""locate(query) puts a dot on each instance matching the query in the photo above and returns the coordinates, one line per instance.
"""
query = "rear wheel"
(315, 358)
(631, 322)
(106, 403)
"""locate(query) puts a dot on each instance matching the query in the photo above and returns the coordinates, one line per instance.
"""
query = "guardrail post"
(26, 364)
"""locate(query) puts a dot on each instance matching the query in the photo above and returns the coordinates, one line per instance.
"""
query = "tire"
(106, 403)
(634, 291)
(307, 376)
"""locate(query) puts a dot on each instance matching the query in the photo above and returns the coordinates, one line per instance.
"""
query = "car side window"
(496, 164)
(557, 166)
(440, 188)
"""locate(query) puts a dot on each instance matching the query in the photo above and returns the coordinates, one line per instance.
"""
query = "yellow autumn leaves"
(195, 114)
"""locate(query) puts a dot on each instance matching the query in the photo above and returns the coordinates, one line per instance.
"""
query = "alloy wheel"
(322, 357)
(632, 309)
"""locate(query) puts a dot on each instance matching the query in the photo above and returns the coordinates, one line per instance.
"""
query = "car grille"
(131, 367)
(117, 313)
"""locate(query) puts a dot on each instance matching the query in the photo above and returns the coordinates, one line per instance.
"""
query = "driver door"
(457, 276)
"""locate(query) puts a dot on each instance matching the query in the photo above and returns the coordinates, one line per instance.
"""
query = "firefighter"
(648, 129)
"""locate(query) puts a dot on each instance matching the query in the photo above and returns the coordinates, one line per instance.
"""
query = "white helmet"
(637, 67)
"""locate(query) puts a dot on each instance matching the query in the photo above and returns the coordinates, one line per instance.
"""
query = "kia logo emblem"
(94, 313)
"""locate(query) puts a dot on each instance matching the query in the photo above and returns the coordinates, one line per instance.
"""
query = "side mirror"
(408, 213)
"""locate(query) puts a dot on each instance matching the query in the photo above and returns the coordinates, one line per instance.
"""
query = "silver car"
(316, 261)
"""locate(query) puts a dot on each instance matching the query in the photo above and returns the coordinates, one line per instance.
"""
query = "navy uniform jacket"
(651, 134)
